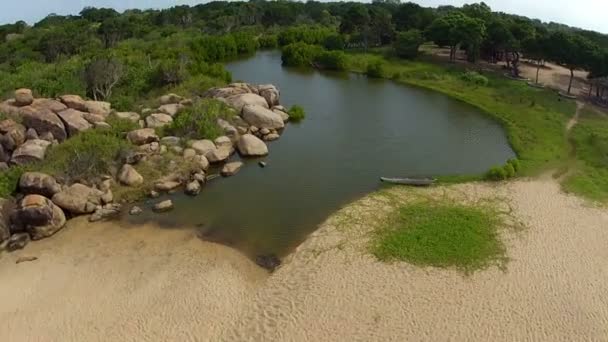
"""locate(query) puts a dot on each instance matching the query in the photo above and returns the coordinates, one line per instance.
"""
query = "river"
(356, 130)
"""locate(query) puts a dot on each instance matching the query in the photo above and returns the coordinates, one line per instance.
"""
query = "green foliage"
(312, 35)
(457, 28)
(200, 120)
(85, 156)
(442, 234)
(473, 77)
(296, 113)
(9, 180)
(300, 54)
(509, 170)
(334, 42)
(496, 173)
(268, 41)
(332, 60)
(376, 69)
(407, 43)
(515, 163)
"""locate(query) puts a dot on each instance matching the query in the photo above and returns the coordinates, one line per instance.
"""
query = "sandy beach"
(104, 282)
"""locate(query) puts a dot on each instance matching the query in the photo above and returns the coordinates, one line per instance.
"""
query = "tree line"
(121, 56)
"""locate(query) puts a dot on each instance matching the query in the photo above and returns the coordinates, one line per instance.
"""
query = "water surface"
(355, 131)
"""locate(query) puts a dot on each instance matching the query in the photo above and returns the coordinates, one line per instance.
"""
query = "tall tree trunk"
(571, 78)
(537, 71)
(590, 89)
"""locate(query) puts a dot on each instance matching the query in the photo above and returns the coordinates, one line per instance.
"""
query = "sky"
(588, 14)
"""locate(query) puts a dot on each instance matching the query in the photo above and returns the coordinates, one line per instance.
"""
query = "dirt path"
(579, 106)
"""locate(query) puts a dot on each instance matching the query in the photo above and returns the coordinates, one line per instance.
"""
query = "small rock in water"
(135, 211)
(163, 206)
(154, 194)
(231, 169)
(193, 188)
(25, 259)
(268, 261)
(262, 164)
(18, 241)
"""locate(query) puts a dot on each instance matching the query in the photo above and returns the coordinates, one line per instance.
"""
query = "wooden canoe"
(409, 181)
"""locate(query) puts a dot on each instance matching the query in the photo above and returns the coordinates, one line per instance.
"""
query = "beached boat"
(409, 181)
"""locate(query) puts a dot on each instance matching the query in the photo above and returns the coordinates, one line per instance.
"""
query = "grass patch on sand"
(534, 119)
(590, 142)
(441, 233)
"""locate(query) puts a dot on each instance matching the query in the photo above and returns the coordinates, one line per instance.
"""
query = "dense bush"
(376, 69)
(85, 156)
(474, 77)
(407, 43)
(200, 120)
(333, 60)
(334, 42)
(306, 34)
(9, 181)
(509, 170)
(296, 113)
(268, 41)
(300, 54)
(497, 173)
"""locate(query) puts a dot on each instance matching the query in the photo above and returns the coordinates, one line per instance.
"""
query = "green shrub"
(334, 42)
(496, 173)
(332, 60)
(300, 54)
(9, 180)
(407, 43)
(515, 163)
(200, 120)
(376, 69)
(475, 78)
(509, 170)
(268, 41)
(296, 113)
(87, 155)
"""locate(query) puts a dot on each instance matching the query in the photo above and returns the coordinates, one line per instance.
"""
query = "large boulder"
(170, 99)
(38, 183)
(281, 113)
(74, 121)
(251, 146)
(170, 109)
(78, 199)
(202, 146)
(230, 169)
(5, 156)
(74, 102)
(262, 117)
(129, 176)
(93, 119)
(225, 92)
(218, 155)
(8, 107)
(131, 116)
(43, 120)
(15, 132)
(23, 97)
(98, 107)
(142, 136)
(39, 216)
(239, 101)
(49, 104)
(31, 151)
(270, 93)
(158, 120)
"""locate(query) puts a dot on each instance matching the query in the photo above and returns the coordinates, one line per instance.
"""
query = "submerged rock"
(135, 211)
(163, 206)
(17, 241)
(268, 261)
(231, 169)
(193, 188)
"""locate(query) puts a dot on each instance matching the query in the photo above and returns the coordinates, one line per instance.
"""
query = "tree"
(536, 48)
(102, 75)
(456, 28)
(571, 51)
(498, 39)
(407, 43)
(356, 21)
(98, 14)
(412, 16)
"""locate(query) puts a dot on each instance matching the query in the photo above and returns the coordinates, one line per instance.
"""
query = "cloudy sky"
(589, 14)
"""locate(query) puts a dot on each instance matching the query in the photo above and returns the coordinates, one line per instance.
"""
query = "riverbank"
(103, 281)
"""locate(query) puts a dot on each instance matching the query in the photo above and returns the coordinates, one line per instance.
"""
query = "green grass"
(442, 234)
(200, 120)
(296, 113)
(534, 119)
(590, 141)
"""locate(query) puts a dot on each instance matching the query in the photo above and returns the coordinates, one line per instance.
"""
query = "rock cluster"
(43, 203)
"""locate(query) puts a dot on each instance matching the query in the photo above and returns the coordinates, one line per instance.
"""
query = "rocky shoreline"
(43, 203)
